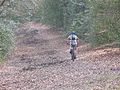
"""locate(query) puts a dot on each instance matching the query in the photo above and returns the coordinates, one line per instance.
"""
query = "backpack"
(73, 37)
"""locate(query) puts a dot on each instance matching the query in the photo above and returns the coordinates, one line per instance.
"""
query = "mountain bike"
(72, 52)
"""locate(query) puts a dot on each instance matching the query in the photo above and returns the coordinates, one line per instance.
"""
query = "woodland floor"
(40, 60)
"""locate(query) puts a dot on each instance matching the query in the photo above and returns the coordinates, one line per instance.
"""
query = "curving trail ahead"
(40, 61)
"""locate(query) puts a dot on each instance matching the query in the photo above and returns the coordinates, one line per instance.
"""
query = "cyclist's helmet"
(73, 33)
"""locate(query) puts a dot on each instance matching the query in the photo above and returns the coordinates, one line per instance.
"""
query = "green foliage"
(51, 12)
(12, 13)
(77, 18)
(96, 21)
(67, 14)
(5, 41)
(105, 25)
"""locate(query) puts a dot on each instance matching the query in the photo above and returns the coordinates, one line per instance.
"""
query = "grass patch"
(5, 42)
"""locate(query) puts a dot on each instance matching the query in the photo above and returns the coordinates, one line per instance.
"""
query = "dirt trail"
(40, 61)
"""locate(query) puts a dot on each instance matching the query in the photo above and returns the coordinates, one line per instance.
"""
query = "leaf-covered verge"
(95, 21)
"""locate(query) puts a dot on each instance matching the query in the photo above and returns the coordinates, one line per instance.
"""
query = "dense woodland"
(96, 21)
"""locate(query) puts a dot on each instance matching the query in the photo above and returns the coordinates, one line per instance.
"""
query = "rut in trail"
(41, 61)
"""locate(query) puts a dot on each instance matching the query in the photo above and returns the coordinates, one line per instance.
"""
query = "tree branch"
(1, 4)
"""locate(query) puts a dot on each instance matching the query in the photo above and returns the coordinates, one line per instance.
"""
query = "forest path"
(41, 61)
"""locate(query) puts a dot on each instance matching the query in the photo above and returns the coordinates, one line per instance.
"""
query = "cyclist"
(73, 40)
